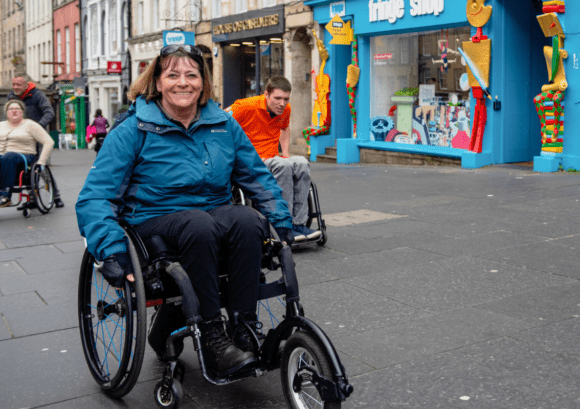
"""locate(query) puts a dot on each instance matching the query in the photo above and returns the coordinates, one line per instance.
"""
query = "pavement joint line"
(525, 268)
(39, 296)
(7, 326)
(545, 349)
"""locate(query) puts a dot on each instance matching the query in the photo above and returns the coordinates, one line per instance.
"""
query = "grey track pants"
(293, 176)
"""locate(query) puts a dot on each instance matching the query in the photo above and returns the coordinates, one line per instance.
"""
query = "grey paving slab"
(71, 246)
(551, 256)
(454, 283)
(391, 260)
(53, 375)
(384, 229)
(427, 336)
(2, 246)
(37, 265)
(4, 330)
(560, 227)
(539, 307)
(18, 302)
(38, 320)
(501, 373)
(478, 243)
(560, 337)
(44, 252)
(10, 269)
(38, 236)
(341, 309)
(354, 245)
(45, 283)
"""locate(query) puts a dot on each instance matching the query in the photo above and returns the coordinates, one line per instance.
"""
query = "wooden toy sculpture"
(550, 103)
(321, 111)
(477, 54)
(352, 76)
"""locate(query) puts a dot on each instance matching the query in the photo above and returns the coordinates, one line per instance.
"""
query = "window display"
(419, 81)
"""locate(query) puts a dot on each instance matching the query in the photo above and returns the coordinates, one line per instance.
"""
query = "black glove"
(285, 235)
(115, 268)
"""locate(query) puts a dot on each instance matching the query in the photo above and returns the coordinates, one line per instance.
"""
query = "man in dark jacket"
(37, 108)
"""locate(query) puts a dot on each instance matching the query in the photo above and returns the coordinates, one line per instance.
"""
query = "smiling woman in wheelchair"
(167, 171)
(18, 139)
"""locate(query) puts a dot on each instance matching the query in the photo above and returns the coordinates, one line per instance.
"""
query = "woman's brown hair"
(146, 84)
(17, 102)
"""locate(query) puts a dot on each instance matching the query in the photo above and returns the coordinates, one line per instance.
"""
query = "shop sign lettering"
(392, 10)
(422, 7)
(249, 24)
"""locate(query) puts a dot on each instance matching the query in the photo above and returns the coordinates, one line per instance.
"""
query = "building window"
(113, 26)
(125, 27)
(140, 18)
(155, 15)
(104, 33)
(58, 49)
(216, 8)
(94, 32)
(172, 12)
(67, 49)
(268, 3)
(422, 70)
(241, 6)
(77, 48)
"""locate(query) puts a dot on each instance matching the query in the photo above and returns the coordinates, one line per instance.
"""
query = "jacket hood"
(150, 112)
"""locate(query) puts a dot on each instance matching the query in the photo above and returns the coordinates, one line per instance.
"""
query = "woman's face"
(14, 113)
(180, 83)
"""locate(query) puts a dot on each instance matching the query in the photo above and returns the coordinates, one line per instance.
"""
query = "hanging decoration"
(352, 76)
(550, 102)
(477, 55)
(445, 51)
(321, 112)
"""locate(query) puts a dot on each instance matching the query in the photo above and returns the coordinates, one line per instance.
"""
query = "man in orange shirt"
(265, 119)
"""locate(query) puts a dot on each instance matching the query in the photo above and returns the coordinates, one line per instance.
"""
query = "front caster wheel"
(26, 213)
(302, 354)
(169, 398)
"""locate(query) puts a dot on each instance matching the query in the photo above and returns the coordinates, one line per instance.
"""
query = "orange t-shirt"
(263, 130)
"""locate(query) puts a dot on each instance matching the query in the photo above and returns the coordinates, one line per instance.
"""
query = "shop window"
(416, 82)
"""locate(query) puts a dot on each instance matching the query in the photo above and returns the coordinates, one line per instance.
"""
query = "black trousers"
(234, 232)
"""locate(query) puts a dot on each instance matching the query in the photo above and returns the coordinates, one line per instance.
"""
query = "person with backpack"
(101, 124)
(167, 168)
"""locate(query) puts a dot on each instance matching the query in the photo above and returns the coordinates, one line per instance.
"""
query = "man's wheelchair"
(113, 328)
(314, 214)
(34, 186)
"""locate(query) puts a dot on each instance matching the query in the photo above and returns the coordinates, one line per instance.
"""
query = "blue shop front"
(486, 89)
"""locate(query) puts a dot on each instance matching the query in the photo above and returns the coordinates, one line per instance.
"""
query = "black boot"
(246, 339)
(166, 319)
(222, 356)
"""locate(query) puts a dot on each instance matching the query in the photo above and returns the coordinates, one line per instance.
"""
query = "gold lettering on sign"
(249, 24)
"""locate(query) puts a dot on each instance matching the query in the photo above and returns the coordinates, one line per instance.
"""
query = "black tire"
(26, 213)
(42, 188)
(302, 348)
(106, 316)
(171, 398)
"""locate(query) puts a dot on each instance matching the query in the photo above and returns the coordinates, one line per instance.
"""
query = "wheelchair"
(113, 328)
(314, 214)
(34, 186)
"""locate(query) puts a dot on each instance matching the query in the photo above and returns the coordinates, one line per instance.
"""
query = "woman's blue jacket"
(149, 166)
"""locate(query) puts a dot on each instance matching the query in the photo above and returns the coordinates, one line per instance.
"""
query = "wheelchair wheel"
(113, 325)
(42, 188)
(170, 398)
(302, 351)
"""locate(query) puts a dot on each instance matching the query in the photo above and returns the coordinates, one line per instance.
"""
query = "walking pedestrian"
(101, 124)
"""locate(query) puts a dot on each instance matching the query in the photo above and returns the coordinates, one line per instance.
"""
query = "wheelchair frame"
(39, 181)
(239, 197)
(309, 362)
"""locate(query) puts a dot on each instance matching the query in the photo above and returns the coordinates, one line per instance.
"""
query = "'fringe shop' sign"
(392, 10)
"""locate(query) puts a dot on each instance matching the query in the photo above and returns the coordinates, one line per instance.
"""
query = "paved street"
(441, 288)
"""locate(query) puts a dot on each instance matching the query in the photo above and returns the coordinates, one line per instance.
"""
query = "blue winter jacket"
(149, 166)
